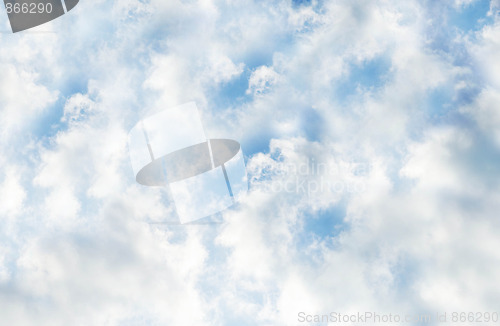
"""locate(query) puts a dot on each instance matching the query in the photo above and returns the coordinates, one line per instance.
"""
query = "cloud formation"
(372, 137)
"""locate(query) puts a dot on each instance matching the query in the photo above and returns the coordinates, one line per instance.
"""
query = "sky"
(371, 135)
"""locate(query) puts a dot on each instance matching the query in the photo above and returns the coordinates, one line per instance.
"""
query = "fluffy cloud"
(372, 153)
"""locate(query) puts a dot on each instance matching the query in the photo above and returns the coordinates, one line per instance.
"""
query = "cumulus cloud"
(371, 141)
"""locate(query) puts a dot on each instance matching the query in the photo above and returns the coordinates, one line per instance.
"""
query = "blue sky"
(371, 134)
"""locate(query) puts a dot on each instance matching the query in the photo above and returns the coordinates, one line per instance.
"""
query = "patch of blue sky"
(49, 122)
(368, 75)
(327, 222)
(258, 143)
(467, 94)
(311, 127)
(315, 4)
(301, 2)
(283, 42)
(155, 36)
(321, 226)
(441, 105)
(448, 22)
(232, 93)
(438, 102)
(264, 56)
(471, 17)
(401, 184)
(312, 124)
(72, 83)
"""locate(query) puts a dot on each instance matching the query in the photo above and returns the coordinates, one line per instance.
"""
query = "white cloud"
(21, 99)
(12, 193)
(420, 216)
(484, 51)
(261, 80)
